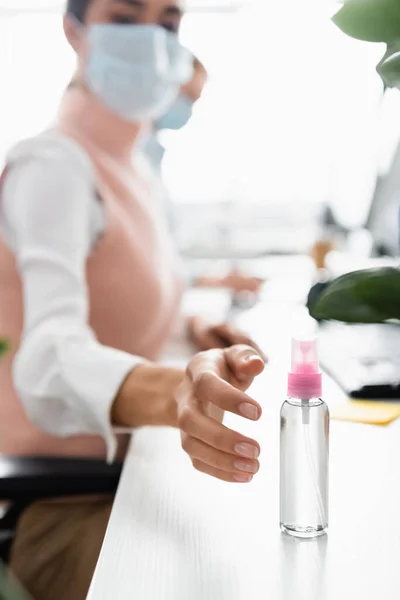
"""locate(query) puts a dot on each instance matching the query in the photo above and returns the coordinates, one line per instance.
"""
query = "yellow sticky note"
(365, 411)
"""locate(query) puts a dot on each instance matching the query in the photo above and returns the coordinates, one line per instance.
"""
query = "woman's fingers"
(222, 461)
(203, 335)
(208, 339)
(250, 342)
(238, 363)
(215, 380)
(244, 362)
(195, 424)
(210, 388)
(233, 336)
(223, 475)
(226, 333)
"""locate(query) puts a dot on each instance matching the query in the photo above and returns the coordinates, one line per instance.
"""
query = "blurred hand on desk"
(235, 281)
(207, 335)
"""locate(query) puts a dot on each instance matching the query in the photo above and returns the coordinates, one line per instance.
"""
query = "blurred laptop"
(365, 359)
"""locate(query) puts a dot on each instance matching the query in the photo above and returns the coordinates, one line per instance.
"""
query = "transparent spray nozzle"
(304, 380)
(304, 357)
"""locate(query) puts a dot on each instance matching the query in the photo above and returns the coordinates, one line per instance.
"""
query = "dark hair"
(78, 8)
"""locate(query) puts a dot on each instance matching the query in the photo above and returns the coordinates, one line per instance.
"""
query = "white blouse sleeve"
(51, 219)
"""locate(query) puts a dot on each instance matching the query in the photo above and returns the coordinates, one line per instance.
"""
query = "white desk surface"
(175, 534)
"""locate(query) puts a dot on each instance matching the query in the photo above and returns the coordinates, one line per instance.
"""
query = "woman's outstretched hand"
(214, 382)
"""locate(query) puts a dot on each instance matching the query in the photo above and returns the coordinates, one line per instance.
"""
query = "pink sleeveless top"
(134, 288)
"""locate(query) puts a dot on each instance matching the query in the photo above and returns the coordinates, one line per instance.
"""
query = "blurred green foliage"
(369, 296)
(375, 21)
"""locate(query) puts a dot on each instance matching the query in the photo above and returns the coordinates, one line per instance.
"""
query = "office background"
(292, 115)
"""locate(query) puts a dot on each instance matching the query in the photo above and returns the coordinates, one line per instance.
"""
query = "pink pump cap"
(305, 379)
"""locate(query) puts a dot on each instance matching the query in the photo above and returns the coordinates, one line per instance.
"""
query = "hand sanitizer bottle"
(304, 447)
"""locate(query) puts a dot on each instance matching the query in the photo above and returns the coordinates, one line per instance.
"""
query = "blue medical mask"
(178, 115)
(136, 70)
(153, 150)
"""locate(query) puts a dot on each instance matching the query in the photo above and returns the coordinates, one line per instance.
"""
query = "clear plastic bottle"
(304, 466)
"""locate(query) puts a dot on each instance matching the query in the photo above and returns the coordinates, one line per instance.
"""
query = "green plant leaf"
(5, 346)
(389, 66)
(369, 296)
(380, 288)
(370, 20)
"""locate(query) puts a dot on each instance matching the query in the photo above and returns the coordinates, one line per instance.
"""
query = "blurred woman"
(178, 116)
(90, 292)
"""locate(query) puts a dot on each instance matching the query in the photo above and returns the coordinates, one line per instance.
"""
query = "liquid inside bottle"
(304, 467)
